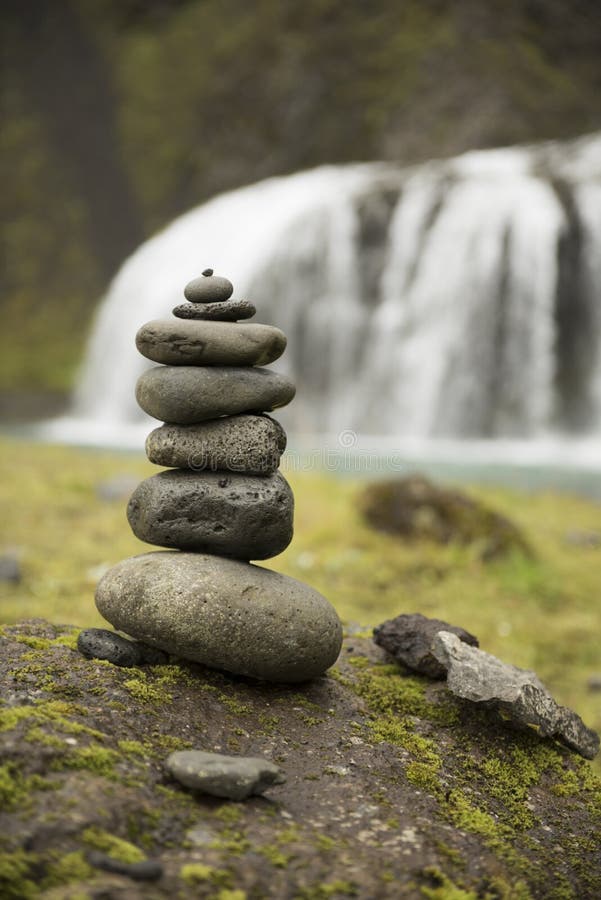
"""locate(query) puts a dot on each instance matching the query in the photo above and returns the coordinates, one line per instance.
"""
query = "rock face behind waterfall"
(456, 298)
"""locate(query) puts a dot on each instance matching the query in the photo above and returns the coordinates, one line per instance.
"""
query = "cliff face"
(394, 788)
(121, 115)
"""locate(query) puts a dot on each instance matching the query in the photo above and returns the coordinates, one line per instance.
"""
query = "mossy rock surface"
(416, 509)
(394, 789)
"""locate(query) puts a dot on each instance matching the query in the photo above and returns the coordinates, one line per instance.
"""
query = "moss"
(16, 877)
(65, 869)
(326, 890)
(197, 873)
(275, 856)
(145, 691)
(231, 842)
(443, 888)
(227, 894)
(114, 846)
(229, 813)
(53, 712)
(16, 788)
(132, 748)
(423, 775)
(100, 760)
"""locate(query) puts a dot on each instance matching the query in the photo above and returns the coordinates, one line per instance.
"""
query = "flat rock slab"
(228, 311)
(186, 395)
(233, 777)
(186, 342)
(409, 638)
(240, 516)
(223, 613)
(247, 444)
(517, 694)
(394, 787)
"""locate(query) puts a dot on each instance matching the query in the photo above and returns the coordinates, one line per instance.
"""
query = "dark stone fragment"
(99, 643)
(227, 311)
(409, 639)
(152, 656)
(146, 870)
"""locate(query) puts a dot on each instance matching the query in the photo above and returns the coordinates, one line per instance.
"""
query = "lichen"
(124, 851)
(197, 873)
(16, 879)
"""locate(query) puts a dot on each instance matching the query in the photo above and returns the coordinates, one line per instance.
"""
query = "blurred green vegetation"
(542, 613)
(120, 114)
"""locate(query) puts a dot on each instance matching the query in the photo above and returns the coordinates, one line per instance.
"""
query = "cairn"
(221, 503)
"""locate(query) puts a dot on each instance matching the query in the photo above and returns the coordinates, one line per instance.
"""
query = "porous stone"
(517, 695)
(228, 311)
(241, 516)
(251, 444)
(99, 643)
(145, 870)
(183, 342)
(409, 637)
(208, 289)
(234, 777)
(223, 613)
(186, 395)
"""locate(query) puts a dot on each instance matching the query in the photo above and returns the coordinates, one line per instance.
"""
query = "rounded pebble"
(223, 613)
(240, 516)
(186, 395)
(228, 311)
(99, 643)
(208, 289)
(181, 342)
(234, 777)
(250, 444)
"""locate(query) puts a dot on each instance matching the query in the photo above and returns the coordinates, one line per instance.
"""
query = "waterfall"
(458, 299)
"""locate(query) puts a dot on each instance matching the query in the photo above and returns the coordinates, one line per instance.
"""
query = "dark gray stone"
(409, 638)
(145, 870)
(186, 395)
(208, 289)
(241, 516)
(99, 643)
(517, 695)
(223, 613)
(228, 311)
(234, 777)
(10, 568)
(251, 444)
(183, 342)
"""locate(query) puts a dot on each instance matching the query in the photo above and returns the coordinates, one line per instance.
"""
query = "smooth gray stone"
(242, 516)
(186, 395)
(234, 777)
(223, 613)
(251, 444)
(208, 289)
(228, 311)
(185, 342)
(409, 637)
(517, 695)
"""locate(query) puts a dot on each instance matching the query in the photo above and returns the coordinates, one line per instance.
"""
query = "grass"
(543, 614)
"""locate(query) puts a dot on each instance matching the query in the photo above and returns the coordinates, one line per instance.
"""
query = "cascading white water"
(457, 299)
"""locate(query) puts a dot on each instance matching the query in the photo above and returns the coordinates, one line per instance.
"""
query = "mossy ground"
(542, 613)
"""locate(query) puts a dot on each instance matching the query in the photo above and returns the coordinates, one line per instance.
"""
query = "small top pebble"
(208, 288)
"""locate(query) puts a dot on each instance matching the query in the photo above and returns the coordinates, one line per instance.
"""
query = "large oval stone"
(251, 444)
(185, 395)
(186, 342)
(223, 613)
(243, 516)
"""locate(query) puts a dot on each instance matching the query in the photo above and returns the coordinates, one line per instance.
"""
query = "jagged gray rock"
(516, 694)
(409, 637)
(234, 777)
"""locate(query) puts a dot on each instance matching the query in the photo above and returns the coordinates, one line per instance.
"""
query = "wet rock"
(516, 694)
(208, 289)
(223, 613)
(409, 639)
(240, 516)
(186, 395)
(251, 444)
(228, 311)
(182, 342)
(234, 777)
(145, 870)
(99, 643)
(416, 509)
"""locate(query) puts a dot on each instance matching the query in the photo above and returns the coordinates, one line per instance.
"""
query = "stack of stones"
(221, 504)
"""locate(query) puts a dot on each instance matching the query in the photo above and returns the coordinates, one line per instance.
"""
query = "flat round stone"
(186, 395)
(223, 613)
(228, 311)
(234, 777)
(208, 289)
(240, 516)
(99, 643)
(181, 342)
(251, 444)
